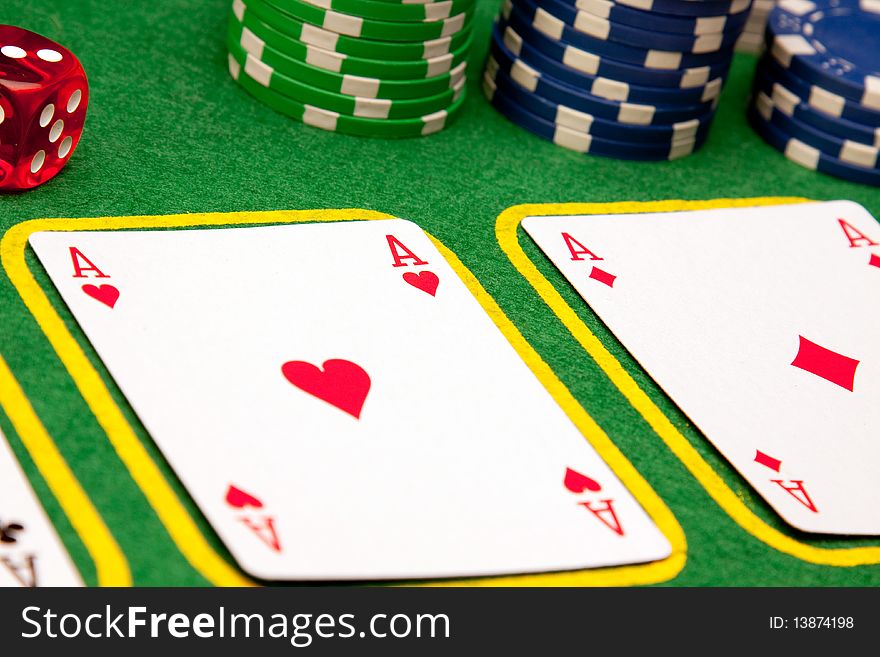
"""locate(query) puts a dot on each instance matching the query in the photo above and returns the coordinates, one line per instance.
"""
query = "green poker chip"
(363, 28)
(422, 77)
(335, 122)
(372, 108)
(386, 11)
(364, 48)
(350, 85)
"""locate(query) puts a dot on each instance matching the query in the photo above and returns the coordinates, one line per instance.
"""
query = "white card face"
(31, 554)
(339, 417)
(762, 324)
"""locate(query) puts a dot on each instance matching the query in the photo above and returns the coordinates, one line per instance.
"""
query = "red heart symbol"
(426, 281)
(578, 483)
(106, 294)
(342, 384)
(239, 499)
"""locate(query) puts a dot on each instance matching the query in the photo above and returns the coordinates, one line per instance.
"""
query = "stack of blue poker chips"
(816, 94)
(628, 79)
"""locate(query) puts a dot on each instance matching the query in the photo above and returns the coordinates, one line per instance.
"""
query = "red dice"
(43, 100)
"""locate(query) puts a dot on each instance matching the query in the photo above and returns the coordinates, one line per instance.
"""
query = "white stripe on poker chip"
(489, 87)
(695, 77)
(439, 65)
(524, 74)
(826, 101)
(782, 98)
(635, 114)
(251, 43)
(707, 43)
(764, 105)
(513, 41)
(871, 97)
(436, 47)
(610, 89)
(861, 155)
(257, 70)
(593, 25)
(343, 23)
(326, 59)
(372, 108)
(797, 7)
(710, 25)
(353, 85)
(581, 60)
(434, 122)
(739, 5)
(437, 10)
(712, 90)
(573, 119)
(548, 24)
(645, 5)
(491, 66)
(663, 59)
(786, 46)
(323, 4)
(238, 8)
(320, 118)
(685, 130)
(456, 75)
(681, 148)
(315, 36)
(575, 141)
(600, 8)
(234, 67)
(453, 25)
(801, 153)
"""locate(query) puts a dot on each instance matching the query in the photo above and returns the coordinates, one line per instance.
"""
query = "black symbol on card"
(8, 532)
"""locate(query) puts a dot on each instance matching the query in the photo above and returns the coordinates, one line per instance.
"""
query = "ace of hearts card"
(340, 406)
(762, 325)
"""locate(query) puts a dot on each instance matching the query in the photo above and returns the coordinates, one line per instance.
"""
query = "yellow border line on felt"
(181, 527)
(110, 564)
(506, 232)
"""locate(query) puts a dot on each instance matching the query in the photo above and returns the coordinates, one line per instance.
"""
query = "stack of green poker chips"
(373, 68)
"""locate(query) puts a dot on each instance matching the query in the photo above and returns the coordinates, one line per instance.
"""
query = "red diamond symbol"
(874, 260)
(825, 363)
(767, 460)
(603, 276)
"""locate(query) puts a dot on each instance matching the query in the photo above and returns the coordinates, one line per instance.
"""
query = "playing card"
(762, 325)
(340, 406)
(31, 554)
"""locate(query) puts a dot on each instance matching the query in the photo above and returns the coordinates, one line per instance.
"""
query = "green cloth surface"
(169, 132)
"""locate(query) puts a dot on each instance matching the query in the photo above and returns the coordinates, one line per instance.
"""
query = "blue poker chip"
(834, 44)
(674, 7)
(606, 30)
(559, 31)
(849, 152)
(818, 97)
(593, 64)
(808, 156)
(653, 20)
(791, 104)
(586, 143)
(601, 86)
(567, 117)
(630, 113)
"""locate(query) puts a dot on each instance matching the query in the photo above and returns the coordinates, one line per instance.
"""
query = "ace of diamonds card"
(340, 406)
(762, 325)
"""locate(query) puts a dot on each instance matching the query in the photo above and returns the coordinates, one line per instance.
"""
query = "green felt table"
(169, 132)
